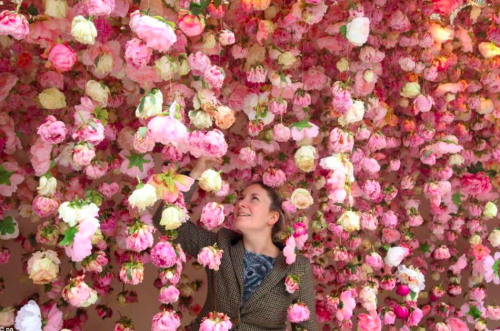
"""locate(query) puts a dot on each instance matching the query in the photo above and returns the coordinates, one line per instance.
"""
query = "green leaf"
(282, 77)
(141, 105)
(93, 125)
(129, 273)
(343, 30)
(143, 131)
(7, 226)
(457, 198)
(96, 61)
(69, 236)
(478, 167)
(5, 176)
(302, 124)
(217, 3)
(195, 8)
(474, 312)
(102, 115)
(281, 156)
(32, 10)
(413, 295)
(137, 160)
(424, 248)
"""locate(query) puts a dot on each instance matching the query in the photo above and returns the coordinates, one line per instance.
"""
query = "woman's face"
(251, 211)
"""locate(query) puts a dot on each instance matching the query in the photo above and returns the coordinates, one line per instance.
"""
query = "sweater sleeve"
(191, 237)
(307, 296)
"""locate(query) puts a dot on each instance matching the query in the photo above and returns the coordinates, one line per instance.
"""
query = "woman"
(250, 284)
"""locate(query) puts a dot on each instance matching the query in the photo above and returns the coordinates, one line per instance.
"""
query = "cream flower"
(354, 114)
(358, 30)
(410, 90)
(171, 217)
(104, 64)
(305, 157)
(210, 181)
(52, 98)
(200, 119)
(490, 210)
(56, 8)
(43, 267)
(7, 316)
(349, 221)
(97, 91)
(83, 30)
(150, 105)
(47, 186)
(301, 198)
(143, 197)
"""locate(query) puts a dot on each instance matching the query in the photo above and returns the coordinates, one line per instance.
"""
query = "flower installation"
(378, 121)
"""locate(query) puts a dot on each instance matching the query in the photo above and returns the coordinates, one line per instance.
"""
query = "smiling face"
(251, 211)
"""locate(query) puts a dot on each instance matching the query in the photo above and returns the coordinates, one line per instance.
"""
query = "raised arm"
(306, 295)
(191, 236)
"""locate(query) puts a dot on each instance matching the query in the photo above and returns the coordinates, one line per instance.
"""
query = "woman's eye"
(256, 198)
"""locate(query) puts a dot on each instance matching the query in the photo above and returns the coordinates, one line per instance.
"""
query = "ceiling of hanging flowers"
(377, 121)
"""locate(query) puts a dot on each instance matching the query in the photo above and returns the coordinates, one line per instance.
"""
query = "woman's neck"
(257, 245)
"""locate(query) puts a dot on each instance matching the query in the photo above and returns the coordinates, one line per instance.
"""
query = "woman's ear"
(275, 216)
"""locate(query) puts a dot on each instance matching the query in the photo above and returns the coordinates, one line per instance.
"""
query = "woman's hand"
(203, 163)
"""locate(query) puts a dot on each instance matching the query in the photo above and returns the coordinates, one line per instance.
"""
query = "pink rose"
(216, 322)
(212, 215)
(163, 255)
(210, 257)
(281, 133)
(370, 322)
(214, 76)
(7, 82)
(45, 206)
(190, 24)
(298, 312)
(168, 294)
(52, 131)
(141, 237)
(457, 324)
(289, 250)
(226, 37)
(62, 57)
(137, 54)
(214, 144)
(83, 155)
(166, 321)
(475, 184)
(99, 7)
(445, 7)
(198, 62)
(14, 24)
(82, 243)
(157, 34)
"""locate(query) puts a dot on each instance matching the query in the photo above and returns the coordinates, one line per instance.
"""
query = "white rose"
(166, 67)
(72, 215)
(52, 98)
(349, 221)
(488, 50)
(301, 198)
(11, 228)
(150, 105)
(143, 197)
(200, 119)
(184, 67)
(43, 266)
(368, 76)
(47, 186)
(342, 64)
(171, 217)
(104, 64)
(456, 159)
(287, 59)
(97, 91)
(394, 256)
(354, 114)
(338, 162)
(29, 317)
(494, 238)
(304, 158)
(56, 8)
(7, 316)
(490, 210)
(358, 30)
(83, 30)
(410, 90)
(210, 181)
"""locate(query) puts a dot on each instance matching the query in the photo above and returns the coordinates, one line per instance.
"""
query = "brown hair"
(275, 206)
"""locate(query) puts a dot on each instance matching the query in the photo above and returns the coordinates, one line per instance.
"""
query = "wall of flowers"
(376, 120)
